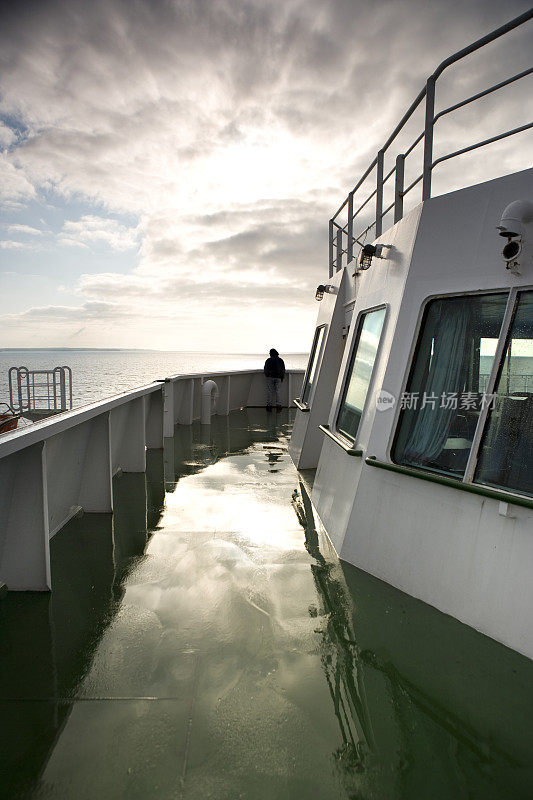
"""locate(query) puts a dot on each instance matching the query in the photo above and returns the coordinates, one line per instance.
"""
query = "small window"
(506, 454)
(445, 390)
(360, 372)
(312, 367)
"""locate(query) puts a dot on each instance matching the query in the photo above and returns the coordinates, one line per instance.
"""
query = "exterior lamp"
(321, 289)
(367, 253)
(370, 251)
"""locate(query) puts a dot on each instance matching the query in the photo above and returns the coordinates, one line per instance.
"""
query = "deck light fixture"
(370, 251)
(322, 289)
(367, 254)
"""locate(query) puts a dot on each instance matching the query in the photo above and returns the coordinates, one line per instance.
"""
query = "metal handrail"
(483, 143)
(416, 141)
(481, 94)
(336, 247)
(461, 152)
(413, 184)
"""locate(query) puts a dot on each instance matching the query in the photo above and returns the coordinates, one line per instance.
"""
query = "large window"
(445, 391)
(310, 376)
(360, 372)
(506, 454)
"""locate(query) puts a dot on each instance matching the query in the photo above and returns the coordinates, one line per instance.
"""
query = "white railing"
(40, 391)
(342, 236)
(52, 470)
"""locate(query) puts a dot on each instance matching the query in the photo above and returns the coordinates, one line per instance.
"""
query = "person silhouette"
(274, 370)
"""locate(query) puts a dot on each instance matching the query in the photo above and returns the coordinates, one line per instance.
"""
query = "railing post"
(398, 188)
(128, 439)
(379, 193)
(19, 389)
(428, 138)
(24, 525)
(168, 408)
(63, 389)
(223, 405)
(69, 371)
(154, 420)
(349, 255)
(331, 248)
(186, 402)
(95, 471)
(338, 264)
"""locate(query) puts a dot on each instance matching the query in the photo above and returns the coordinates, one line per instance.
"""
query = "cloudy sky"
(168, 167)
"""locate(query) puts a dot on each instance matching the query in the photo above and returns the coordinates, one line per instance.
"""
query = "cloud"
(13, 244)
(14, 183)
(7, 136)
(168, 296)
(24, 229)
(89, 310)
(77, 333)
(228, 130)
(66, 241)
(101, 230)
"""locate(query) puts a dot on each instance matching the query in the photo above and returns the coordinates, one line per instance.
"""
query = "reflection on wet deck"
(205, 641)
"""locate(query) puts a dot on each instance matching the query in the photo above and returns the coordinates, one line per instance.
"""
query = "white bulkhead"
(327, 349)
(468, 554)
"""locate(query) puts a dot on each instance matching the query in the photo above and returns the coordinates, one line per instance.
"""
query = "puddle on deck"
(205, 641)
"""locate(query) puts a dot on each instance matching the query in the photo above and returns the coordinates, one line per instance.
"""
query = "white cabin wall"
(383, 284)
(451, 549)
(335, 482)
(306, 440)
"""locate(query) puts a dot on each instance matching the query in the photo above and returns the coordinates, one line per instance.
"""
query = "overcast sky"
(168, 167)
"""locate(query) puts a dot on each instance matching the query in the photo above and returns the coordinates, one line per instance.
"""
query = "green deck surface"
(205, 642)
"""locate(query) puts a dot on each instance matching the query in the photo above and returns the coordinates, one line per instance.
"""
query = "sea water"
(97, 374)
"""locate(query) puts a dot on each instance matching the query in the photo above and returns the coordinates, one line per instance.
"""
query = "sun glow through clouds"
(167, 170)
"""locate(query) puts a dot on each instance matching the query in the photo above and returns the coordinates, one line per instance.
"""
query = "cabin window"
(445, 391)
(506, 453)
(360, 372)
(310, 376)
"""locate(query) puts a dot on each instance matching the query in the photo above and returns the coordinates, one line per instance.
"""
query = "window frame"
(513, 293)
(349, 363)
(314, 349)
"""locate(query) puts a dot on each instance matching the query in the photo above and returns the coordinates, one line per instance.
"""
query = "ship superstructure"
(417, 407)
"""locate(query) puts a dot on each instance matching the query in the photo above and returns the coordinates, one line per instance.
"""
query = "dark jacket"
(275, 367)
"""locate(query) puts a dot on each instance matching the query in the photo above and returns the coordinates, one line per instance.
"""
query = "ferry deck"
(205, 641)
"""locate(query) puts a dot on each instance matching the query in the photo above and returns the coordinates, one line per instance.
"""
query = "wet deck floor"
(206, 642)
